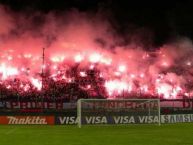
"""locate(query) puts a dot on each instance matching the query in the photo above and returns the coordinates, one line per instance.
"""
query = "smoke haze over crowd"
(127, 64)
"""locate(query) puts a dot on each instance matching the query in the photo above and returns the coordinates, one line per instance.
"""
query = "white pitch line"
(11, 131)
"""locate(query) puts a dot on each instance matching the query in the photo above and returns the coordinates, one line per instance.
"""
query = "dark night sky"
(165, 19)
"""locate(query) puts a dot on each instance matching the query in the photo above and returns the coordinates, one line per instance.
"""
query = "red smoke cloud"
(89, 43)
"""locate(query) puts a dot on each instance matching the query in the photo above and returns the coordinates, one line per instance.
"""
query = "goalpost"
(118, 111)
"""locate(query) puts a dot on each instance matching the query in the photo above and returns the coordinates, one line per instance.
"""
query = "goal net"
(118, 111)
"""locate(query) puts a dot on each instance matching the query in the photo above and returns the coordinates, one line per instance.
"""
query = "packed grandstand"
(57, 79)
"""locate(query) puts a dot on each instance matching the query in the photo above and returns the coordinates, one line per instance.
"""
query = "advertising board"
(42, 120)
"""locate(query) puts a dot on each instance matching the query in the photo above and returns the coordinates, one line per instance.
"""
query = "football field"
(170, 134)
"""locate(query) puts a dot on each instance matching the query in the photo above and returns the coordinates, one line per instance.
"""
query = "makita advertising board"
(42, 120)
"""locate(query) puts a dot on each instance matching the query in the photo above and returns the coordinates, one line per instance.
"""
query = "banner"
(178, 118)
(70, 120)
(42, 120)
(181, 104)
(108, 119)
(39, 105)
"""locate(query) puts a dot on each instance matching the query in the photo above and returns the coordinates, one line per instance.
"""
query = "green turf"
(173, 134)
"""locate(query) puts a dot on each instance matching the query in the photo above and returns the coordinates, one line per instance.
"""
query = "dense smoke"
(88, 42)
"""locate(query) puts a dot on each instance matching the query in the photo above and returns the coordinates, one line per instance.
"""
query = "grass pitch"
(171, 134)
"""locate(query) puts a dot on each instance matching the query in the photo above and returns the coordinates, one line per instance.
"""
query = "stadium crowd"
(55, 88)
(80, 84)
